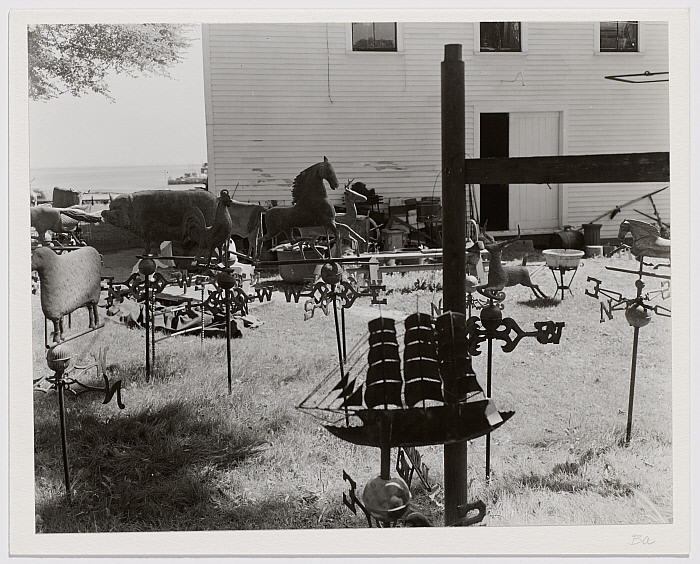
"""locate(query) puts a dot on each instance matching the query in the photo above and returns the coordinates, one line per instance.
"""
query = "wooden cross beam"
(569, 169)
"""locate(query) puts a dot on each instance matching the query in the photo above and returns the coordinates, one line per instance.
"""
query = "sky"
(154, 121)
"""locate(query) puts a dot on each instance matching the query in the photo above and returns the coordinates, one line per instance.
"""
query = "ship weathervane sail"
(408, 407)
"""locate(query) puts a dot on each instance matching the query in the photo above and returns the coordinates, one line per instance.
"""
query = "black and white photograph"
(377, 282)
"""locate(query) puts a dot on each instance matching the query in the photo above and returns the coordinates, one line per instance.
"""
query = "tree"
(77, 58)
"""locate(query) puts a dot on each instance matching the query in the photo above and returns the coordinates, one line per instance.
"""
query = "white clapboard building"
(280, 97)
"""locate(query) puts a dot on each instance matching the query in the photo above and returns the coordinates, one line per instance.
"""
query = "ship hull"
(443, 424)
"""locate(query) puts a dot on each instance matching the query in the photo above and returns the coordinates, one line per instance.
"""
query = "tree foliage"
(77, 58)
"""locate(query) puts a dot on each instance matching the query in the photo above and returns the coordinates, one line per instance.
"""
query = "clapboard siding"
(280, 97)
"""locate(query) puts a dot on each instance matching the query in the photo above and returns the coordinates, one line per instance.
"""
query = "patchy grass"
(185, 455)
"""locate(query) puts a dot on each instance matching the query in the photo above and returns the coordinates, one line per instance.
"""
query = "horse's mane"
(643, 225)
(296, 188)
(300, 184)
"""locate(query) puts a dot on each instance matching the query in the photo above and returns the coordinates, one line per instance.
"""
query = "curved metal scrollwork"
(137, 285)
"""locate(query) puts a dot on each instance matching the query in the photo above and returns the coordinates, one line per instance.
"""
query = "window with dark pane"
(500, 36)
(619, 36)
(374, 36)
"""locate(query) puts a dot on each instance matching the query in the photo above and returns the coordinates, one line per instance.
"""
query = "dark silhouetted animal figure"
(195, 230)
(647, 241)
(500, 276)
(156, 215)
(310, 204)
(350, 225)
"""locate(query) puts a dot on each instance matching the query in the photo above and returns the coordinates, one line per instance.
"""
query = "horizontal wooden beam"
(625, 167)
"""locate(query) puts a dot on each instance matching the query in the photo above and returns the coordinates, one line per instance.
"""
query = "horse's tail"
(271, 224)
(255, 219)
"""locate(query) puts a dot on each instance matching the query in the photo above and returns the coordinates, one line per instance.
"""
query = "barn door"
(533, 134)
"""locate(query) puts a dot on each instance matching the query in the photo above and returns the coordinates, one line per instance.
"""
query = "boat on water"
(435, 399)
(200, 177)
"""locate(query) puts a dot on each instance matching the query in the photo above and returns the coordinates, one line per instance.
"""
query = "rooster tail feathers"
(193, 224)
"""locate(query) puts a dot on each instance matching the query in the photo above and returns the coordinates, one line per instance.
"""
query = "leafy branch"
(77, 58)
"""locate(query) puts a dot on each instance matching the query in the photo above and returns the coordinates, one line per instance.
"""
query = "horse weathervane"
(646, 243)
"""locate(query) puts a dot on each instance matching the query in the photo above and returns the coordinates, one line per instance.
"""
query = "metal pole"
(228, 336)
(64, 439)
(342, 322)
(341, 357)
(201, 318)
(453, 255)
(640, 286)
(489, 366)
(228, 320)
(632, 378)
(153, 331)
(148, 328)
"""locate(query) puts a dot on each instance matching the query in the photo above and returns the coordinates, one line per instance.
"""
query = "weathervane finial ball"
(58, 357)
(637, 316)
(386, 500)
(491, 317)
(331, 273)
(225, 280)
(147, 266)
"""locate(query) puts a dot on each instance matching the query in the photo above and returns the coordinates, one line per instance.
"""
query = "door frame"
(563, 111)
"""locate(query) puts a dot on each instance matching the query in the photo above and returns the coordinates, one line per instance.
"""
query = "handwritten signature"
(641, 539)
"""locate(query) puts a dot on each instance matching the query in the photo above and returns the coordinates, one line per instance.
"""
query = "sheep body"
(68, 282)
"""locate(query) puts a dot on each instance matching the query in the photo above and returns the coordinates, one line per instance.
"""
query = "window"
(374, 36)
(619, 36)
(499, 36)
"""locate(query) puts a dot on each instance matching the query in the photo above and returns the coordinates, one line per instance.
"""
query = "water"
(108, 180)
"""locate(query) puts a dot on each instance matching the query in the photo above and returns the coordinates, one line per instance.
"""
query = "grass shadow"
(152, 468)
(571, 482)
(568, 477)
(540, 303)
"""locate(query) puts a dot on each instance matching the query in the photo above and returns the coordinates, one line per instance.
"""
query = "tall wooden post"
(453, 255)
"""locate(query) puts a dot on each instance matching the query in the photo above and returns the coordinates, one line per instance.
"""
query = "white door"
(533, 134)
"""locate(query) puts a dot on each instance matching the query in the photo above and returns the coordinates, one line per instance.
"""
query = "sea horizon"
(119, 179)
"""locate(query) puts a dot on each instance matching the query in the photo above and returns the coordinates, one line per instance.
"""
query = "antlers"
(491, 242)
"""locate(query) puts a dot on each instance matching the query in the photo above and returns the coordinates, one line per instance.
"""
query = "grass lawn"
(185, 455)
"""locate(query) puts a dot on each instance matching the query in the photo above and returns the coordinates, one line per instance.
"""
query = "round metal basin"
(562, 258)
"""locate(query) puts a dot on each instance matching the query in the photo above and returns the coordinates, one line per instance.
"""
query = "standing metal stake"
(341, 354)
(228, 337)
(632, 378)
(58, 358)
(147, 266)
(489, 368)
(228, 320)
(147, 306)
(64, 439)
(640, 286)
(153, 329)
(201, 317)
(342, 322)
